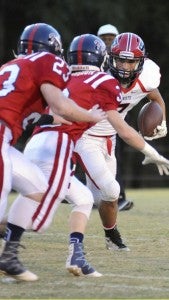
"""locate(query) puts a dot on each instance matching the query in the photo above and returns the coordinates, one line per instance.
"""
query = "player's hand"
(160, 161)
(97, 113)
(159, 132)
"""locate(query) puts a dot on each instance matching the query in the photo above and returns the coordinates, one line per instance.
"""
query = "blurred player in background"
(107, 33)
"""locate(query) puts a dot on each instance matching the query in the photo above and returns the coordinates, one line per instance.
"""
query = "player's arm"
(125, 131)
(67, 108)
(135, 140)
(161, 130)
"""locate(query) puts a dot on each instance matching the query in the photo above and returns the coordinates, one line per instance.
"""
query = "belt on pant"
(108, 140)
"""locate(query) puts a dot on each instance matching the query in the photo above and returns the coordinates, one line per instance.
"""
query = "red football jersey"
(20, 80)
(87, 89)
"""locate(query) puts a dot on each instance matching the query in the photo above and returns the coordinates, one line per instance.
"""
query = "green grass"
(141, 273)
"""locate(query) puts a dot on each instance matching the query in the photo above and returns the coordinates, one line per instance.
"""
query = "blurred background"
(147, 18)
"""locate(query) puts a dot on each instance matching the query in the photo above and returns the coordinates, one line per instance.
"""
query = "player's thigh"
(100, 166)
(96, 164)
(27, 178)
(42, 147)
(41, 150)
(78, 193)
(112, 163)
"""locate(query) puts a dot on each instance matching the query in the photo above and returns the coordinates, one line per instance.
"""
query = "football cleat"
(11, 266)
(77, 264)
(115, 242)
(125, 204)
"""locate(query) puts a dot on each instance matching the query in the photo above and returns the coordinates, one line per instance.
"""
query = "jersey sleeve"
(150, 76)
(51, 69)
(110, 95)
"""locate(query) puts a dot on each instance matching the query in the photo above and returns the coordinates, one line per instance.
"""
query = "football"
(149, 117)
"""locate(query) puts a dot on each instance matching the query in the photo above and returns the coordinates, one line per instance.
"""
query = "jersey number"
(8, 84)
(122, 107)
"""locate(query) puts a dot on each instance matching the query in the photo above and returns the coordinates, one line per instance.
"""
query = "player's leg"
(28, 207)
(101, 168)
(82, 200)
(59, 179)
(32, 181)
(108, 214)
(123, 202)
(6, 169)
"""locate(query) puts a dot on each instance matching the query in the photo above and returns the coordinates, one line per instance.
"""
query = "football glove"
(162, 164)
(153, 157)
(159, 132)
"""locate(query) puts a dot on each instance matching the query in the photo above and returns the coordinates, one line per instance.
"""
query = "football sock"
(76, 237)
(13, 233)
(109, 231)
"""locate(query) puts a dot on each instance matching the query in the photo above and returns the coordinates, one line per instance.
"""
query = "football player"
(138, 77)
(28, 84)
(108, 33)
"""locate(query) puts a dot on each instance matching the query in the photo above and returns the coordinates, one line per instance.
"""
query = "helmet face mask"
(40, 37)
(127, 47)
(86, 51)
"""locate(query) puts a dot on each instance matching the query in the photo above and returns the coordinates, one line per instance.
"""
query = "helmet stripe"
(31, 37)
(129, 40)
(79, 51)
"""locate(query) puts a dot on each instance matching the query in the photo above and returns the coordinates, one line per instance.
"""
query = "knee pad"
(109, 192)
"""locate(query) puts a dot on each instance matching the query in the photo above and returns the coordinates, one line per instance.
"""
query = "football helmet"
(126, 46)
(86, 52)
(39, 37)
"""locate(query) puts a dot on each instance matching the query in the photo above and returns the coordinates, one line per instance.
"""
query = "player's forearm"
(127, 133)
(136, 141)
(64, 106)
(133, 138)
(74, 112)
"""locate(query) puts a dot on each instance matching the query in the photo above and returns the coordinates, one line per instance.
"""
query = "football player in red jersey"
(88, 86)
(53, 145)
(51, 148)
(28, 84)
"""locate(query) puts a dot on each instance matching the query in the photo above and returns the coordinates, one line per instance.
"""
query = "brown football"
(149, 117)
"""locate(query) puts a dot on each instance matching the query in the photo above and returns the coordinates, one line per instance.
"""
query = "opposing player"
(139, 77)
(27, 85)
(107, 33)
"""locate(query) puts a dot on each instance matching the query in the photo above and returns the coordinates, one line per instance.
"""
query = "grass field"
(141, 273)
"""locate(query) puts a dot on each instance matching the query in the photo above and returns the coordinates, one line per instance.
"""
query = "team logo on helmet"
(99, 46)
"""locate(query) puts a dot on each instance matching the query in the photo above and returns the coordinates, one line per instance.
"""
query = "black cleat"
(115, 242)
(11, 266)
(125, 204)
